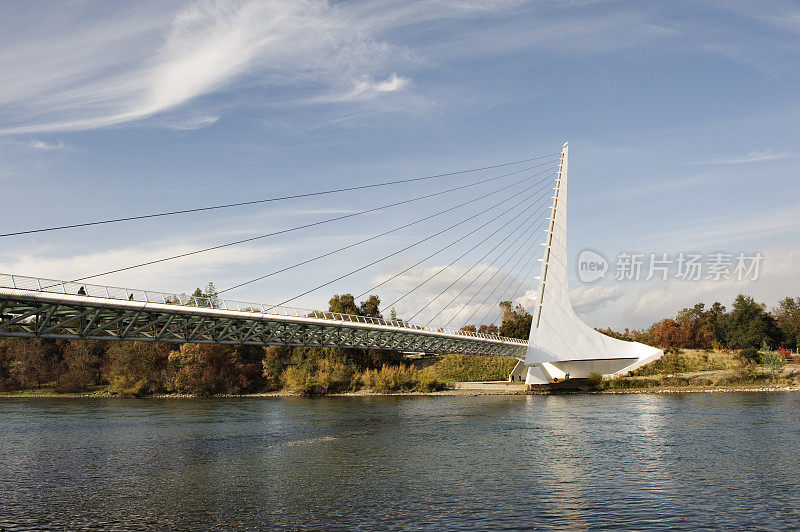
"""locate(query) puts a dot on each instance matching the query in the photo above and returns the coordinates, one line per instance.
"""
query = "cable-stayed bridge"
(516, 223)
(46, 308)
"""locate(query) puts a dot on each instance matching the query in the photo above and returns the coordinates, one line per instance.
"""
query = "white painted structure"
(560, 342)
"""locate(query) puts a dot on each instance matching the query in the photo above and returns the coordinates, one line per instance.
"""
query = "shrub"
(428, 382)
(297, 380)
(594, 379)
(750, 355)
(624, 383)
(785, 353)
(774, 361)
(333, 377)
(390, 379)
(472, 368)
(273, 366)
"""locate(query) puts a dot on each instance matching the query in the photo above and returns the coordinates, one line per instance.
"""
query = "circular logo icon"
(591, 266)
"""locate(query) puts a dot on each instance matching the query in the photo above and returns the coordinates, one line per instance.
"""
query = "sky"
(681, 118)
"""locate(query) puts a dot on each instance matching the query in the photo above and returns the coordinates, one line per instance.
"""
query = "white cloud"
(639, 304)
(590, 298)
(46, 146)
(702, 233)
(137, 62)
(465, 301)
(167, 276)
(755, 156)
(193, 122)
(365, 88)
(107, 64)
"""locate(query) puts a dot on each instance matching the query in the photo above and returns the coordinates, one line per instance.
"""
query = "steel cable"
(400, 250)
(267, 200)
(304, 226)
(374, 237)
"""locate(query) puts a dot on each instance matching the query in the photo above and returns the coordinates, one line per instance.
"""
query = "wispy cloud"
(46, 146)
(129, 62)
(755, 156)
(365, 88)
(591, 298)
(163, 276)
(193, 122)
(123, 66)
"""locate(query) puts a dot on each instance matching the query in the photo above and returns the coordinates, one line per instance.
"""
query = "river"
(489, 462)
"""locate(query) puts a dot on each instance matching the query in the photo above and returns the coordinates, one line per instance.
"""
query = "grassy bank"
(692, 368)
(472, 368)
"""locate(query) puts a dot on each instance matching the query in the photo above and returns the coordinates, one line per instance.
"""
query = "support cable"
(304, 226)
(481, 288)
(465, 220)
(398, 274)
(374, 237)
(502, 297)
(268, 200)
(531, 256)
(462, 275)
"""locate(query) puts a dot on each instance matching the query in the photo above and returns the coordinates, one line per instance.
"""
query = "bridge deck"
(47, 308)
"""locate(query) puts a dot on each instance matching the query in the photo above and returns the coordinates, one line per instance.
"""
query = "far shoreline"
(442, 393)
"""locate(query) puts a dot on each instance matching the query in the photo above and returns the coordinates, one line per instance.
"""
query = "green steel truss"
(36, 314)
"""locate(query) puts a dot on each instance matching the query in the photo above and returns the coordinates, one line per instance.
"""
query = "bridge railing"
(37, 284)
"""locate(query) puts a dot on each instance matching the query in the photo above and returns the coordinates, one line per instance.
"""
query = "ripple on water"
(641, 462)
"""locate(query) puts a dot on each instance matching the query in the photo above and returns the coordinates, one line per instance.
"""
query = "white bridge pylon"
(560, 342)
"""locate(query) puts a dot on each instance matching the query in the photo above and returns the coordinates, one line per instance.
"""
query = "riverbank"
(449, 392)
(687, 371)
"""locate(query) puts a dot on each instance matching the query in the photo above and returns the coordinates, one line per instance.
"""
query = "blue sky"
(681, 116)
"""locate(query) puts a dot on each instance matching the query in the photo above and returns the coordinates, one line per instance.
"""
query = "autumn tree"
(136, 369)
(82, 365)
(488, 329)
(36, 362)
(206, 369)
(666, 333)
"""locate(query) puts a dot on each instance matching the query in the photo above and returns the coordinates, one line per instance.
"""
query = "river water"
(491, 462)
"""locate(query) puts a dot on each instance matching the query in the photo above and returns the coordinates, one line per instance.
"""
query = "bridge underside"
(38, 315)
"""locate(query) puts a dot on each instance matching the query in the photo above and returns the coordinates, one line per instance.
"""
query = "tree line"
(748, 324)
(149, 368)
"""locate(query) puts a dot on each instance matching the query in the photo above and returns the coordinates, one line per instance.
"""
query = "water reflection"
(577, 462)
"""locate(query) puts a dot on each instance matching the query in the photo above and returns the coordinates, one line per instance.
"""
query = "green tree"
(787, 316)
(273, 365)
(717, 319)
(749, 325)
(516, 322)
(371, 307)
(774, 361)
(207, 297)
(343, 304)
